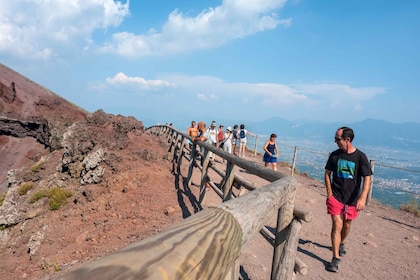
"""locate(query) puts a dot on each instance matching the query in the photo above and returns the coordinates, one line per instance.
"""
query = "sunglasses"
(336, 139)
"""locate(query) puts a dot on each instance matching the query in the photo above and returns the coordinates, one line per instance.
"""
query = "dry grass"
(24, 188)
(2, 197)
(57, 197)
(412, 207)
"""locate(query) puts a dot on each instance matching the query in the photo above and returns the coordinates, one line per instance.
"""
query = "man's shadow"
(306, 252)
(312, 255)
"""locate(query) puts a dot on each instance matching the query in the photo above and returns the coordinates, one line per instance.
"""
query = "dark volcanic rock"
(37, 128)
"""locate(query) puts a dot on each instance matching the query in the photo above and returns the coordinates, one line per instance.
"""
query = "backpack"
(242, 134)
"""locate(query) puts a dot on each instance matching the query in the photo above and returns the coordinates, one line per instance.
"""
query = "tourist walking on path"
(271, 152)
(348, 166)
(212, 140)
(227, 140)
(203, 135)
(241, 135)
(220, 134)
(192, 131)
(235, 141)
(213, 133)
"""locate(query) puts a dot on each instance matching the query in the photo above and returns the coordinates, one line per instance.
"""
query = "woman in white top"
(227, 140)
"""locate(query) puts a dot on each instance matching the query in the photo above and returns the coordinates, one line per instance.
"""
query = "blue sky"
(175, 61)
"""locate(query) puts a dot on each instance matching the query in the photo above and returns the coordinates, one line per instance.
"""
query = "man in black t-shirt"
(348, 166)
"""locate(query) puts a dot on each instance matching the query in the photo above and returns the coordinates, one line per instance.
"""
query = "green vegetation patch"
(2, 197)
(36, 167)
(24, 188)
(57, 197)
(50, 267)
(412, 207)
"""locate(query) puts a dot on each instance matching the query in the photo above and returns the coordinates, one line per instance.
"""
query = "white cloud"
(120, 79)
(337, 96)
(328, 95)
(41, 28)
(213, 27)
(208, 97)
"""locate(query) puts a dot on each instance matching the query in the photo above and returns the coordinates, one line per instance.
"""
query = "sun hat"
(229, 128)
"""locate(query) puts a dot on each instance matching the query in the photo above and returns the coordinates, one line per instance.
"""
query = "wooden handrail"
(207, 245)
(203, 246)
(281, 240)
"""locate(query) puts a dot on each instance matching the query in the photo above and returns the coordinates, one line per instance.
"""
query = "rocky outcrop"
(10, 213)
(36, 128)
(8, 94)
(93, 142)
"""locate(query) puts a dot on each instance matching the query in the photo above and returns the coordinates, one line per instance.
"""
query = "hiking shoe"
(333, 265)
(342, 250)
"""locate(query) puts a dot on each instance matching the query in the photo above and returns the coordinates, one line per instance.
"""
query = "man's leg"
(344, 233)
(336, 233)
(337, 226)
(345, 230)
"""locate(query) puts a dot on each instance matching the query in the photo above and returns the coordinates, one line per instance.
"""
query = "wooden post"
(302, 214)
(294, 160)
(192, 163)
(288, 258)
(181, 154)
(300, 266)
(227, 186)
(256, 144)
(204, 179)
(372, 166)
(284, 218)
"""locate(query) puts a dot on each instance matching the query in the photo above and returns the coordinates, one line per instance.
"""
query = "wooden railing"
(207, 244)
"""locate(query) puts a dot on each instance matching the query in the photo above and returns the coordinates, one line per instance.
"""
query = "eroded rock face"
(37, 128)
(8, 94)
(90, 148)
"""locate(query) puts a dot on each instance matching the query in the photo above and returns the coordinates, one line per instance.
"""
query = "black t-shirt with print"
(347, 170)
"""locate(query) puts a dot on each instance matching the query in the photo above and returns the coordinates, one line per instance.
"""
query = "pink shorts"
(335, 207)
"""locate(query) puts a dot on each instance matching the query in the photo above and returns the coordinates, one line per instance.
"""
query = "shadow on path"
(398, 222)
(312, 255)
(184, 191)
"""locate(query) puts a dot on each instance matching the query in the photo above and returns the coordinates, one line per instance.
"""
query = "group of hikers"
(229, 139)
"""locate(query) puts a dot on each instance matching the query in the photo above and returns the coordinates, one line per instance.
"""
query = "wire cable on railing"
(314, 152)
(394, 167)
(285, 145)
(307, 163)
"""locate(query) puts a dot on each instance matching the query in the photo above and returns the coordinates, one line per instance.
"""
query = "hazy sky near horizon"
(160, 60)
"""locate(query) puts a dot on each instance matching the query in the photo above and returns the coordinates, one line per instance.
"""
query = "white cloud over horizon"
(205, 88)
(41, 29)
